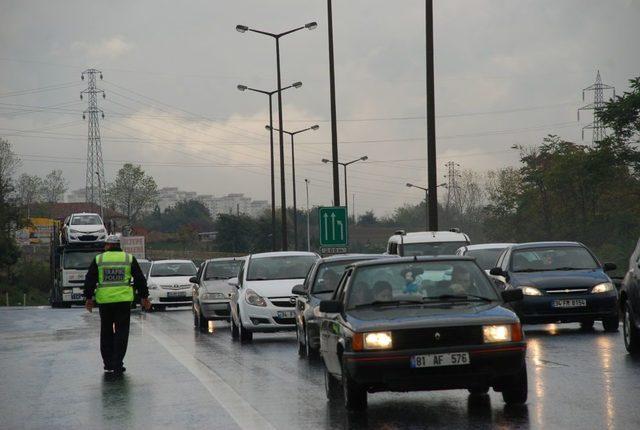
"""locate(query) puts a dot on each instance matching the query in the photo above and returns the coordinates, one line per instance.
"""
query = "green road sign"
(333, 227)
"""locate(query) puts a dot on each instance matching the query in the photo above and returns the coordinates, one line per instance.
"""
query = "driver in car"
(382, 291)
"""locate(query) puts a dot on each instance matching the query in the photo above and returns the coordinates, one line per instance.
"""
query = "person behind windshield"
(460, 281)
(330, 280)
(382, 291)
(412, 283)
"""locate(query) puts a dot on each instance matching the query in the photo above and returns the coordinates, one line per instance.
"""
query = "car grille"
(283, 321)
(576, 290)
(283, 302)
(437, 337)
(88, 238)
(175, 287)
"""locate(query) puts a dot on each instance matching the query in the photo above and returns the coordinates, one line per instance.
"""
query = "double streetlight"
(273, 185)
(346, 199)
(293, 177)
(426, 200)
(277, 36)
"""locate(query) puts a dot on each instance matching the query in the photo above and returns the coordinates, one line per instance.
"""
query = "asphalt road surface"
(51, 378)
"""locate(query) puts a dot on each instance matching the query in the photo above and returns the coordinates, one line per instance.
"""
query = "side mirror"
(608, 267)
(496, 271)
(193, 280)
(234, 282)
(512, 295)
(299, 290)
(331, 306)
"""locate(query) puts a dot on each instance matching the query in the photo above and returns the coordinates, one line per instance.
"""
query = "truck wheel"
(515, 393)
(630, 331)
(355, 396)
(611, 324)
(331, 386)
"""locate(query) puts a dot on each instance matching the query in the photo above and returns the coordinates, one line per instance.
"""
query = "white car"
(83, 228)
(212, 292)
(169, 283)
(263, 301)
(426, 243)
(486, 254)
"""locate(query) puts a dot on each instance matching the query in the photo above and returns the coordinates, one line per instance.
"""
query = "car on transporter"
(263, 301)
(212, 292)
(169, 283)
(380, 334)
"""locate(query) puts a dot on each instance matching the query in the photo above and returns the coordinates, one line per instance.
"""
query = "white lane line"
(242, 412)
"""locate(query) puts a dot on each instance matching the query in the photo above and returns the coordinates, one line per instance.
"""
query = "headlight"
(72, 231)
(531, 291)
(496, 333)
(373, 340)
(603, 288)
(152, 286)
(254, 298)
(213, 296)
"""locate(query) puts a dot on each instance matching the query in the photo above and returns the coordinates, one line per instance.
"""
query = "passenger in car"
(382, 291)
(412, 283)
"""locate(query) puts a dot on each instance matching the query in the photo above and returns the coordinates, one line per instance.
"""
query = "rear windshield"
(285, 267)
(432, 248)
(224, 269)
(78, 260)
(486, 258)
(552, 258)
(85, 220)
(173, 269)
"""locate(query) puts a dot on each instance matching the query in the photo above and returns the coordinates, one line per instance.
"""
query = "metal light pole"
(346, 198)
(432, 177)
(306, 183)
(273, 184)
(283, 191)
(293, 179)
(334, 125)
(426, 201)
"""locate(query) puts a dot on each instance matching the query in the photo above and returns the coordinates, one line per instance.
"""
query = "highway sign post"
(334, 234)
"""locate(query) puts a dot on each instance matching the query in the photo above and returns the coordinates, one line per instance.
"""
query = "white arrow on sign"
(333, 225)
(326, 226)
(341, 230)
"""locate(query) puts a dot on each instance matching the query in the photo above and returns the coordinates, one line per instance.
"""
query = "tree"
(9, 214)
(8, 165)
(54, 186)
(133, 192)
(622, 114)
(29, 190)
(368, 218)
(190, 213)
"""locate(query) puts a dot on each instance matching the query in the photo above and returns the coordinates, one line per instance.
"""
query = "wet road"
(51, 377)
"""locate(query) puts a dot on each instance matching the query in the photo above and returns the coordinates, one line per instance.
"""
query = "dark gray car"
(319, 285)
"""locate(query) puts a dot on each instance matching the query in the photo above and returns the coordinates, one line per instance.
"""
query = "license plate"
(437, 360)
(569, 303)
(286, 314)
(176, 294)
(77, 296)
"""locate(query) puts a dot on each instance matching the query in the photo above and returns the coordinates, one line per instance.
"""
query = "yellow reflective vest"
(114, 277)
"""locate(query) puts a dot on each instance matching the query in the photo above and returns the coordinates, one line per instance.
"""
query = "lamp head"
(311, 26)
(297, 84)
(315, 127)
(242, 87)
(241, 28)
(267, 127)
(324, 160)
(365, 158)
(409, 185)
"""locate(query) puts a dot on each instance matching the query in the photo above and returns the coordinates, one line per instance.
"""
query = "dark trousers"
(114, 333)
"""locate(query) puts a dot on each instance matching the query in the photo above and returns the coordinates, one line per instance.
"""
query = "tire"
(302, 348)
(203, 324)
(478, 391)
(234, 330)
(611, 324)
(309, 350)
(245, 335)
(331, 386)
(516, 391)
(586, 325)
(630, 331)
(355, 396)
(195, 317)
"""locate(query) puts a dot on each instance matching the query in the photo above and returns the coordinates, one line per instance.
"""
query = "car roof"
(487, 246)
(545, 244)
(417, 259)
(172, 261)
(430, 236)
(350, 257)
(283, 254)
(244, 257)
(84, 213)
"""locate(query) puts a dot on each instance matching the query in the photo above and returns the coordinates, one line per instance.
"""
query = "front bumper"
(161, 297)
(267, 318)
(84, 238)
(539, 309)
(490, 365)
(215, 309)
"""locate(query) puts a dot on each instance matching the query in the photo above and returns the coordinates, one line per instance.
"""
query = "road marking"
(245, 415)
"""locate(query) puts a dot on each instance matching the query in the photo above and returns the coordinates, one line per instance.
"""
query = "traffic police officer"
(109, 279)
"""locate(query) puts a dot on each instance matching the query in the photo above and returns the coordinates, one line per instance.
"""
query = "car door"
(634, 276)
(331, 330)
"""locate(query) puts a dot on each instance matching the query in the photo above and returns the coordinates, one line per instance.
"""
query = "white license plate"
(437, 360)
(176, 294)
(77, 296)
(569, 303)
(286, 314)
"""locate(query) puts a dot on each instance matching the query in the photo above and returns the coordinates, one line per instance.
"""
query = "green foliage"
(189, 215)
(133, 192)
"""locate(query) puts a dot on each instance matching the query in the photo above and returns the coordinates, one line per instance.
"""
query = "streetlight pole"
(293, 179)
(306, 183)
(334, 125)
(283, 191)
(432, 177)
(426, 201)
(346, 198)
(273, 185)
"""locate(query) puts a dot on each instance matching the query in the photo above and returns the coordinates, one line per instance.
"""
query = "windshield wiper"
(571, 268)
(528, 270)
(323, 291)
(459, 296)
(389, 302)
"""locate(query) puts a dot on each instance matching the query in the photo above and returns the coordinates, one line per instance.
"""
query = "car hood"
(432, 315)
(87, 228)
(169, 280)
(560, 279)
(218, 286)
(274, 288)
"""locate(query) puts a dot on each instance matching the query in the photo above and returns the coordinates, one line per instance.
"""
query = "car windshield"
(486, 258)
(173, 269)
(285, 267)
(224, 269)
(419, 282)
(432, 248)
(145, 266)
(328, 275)
(79, 260)
(552, 258)
(86, 220)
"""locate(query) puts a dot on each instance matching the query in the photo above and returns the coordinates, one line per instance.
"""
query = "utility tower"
(596, 126)
(453, 189)
(95, 168)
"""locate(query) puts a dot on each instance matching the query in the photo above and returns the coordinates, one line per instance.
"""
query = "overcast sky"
(507, 72)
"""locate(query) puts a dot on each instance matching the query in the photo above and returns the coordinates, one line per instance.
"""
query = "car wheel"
(478, 391)
(355, 396)
(309, 350)
(631, 335)
(331, 386)
(234, 329)
(244, 334)
(195, 317)
(302, 348)
(203, 323)
(516, 391)
(611, 324)
(586, 325)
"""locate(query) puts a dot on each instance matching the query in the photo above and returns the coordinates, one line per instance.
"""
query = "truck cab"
(426, 243)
